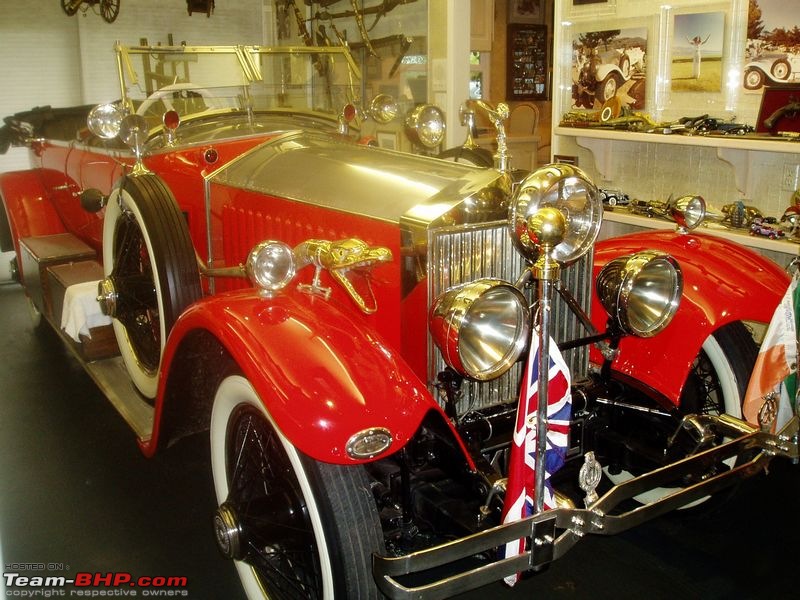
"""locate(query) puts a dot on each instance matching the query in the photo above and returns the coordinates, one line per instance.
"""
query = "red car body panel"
(28, 207)
(322, 375)
(723, 282)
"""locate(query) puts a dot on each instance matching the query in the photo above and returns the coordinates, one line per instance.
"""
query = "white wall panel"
(49, 58)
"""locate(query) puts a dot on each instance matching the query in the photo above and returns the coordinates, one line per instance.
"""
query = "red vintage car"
(224, 251)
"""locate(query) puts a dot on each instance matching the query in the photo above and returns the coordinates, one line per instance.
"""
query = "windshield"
(195, 80)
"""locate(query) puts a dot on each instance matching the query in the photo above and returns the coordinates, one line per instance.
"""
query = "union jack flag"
(520, 489)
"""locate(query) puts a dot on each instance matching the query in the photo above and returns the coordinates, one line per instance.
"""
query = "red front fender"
(722, 282)
(321, 374)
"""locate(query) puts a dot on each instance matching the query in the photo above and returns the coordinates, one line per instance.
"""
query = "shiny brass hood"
(335, 173)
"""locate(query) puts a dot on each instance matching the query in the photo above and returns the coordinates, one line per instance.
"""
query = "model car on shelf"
(759, 226)
(224, 253)
(612, 198)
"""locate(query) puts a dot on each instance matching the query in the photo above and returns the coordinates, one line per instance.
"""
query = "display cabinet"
(667, 62)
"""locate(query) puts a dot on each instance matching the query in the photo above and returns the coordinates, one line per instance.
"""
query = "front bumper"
(552, 533)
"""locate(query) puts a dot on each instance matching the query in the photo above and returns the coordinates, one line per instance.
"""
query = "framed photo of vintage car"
(780, 109)
(528, 75)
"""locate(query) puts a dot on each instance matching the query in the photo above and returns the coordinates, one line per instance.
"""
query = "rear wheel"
(151, 273)
(781, 69)
(297, 528)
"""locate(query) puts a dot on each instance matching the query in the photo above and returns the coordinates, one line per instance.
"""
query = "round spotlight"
(568, 190)
(104, 121)
(426, 126)
(270, 266)
(688, 211)
(641, 291)
(383, 108)
(481, 327)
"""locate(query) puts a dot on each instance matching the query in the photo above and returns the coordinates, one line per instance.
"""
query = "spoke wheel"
(781, 69)
(151, 273)
(715, 385)
(607, 88)
(70, 6)
(297, 528)
(109, 10)
(754, 79)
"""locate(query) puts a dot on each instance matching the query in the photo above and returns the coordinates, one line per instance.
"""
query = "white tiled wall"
(49, 58)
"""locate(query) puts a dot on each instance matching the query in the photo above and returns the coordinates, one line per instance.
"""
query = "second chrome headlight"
(481, 327)
(270, 266)
(641, 291)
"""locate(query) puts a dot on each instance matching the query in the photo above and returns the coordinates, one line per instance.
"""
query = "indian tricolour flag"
(775, 372)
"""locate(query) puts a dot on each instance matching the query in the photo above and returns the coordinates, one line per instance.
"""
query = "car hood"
(334, 172)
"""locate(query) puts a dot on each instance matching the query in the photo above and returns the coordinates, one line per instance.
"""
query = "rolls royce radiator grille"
(465, 253)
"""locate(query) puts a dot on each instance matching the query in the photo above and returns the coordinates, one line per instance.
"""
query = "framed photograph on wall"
(609, 67)
(527, 77)
(593, 7)
(697, 60)
(526, 11)
(387, 140)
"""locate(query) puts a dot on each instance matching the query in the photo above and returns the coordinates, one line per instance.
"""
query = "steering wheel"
(165, 94)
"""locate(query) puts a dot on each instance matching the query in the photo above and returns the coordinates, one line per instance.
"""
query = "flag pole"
(548, 228)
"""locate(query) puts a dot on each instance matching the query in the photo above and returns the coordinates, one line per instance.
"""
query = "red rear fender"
(28, 208)
(321, 375)
(723, 282)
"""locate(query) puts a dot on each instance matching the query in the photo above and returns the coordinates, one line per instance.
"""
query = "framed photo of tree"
(528, 71)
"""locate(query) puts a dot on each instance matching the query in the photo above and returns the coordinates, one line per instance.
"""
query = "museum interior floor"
(75, 490)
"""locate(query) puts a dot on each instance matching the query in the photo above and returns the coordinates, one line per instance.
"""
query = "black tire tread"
(741, 349)
(352, 525)
(167, 228)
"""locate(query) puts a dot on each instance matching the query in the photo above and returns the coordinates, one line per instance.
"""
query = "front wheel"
(297, 528)
(607, 88)
(720, 373)
(150, 270)
(716, 384)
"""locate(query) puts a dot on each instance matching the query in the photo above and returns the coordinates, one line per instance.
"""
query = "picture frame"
(387, 140)
(528, 76)
(526, 11)
(593, 7)
(774, 101)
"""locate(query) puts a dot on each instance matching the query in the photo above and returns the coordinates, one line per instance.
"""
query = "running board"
(112, 377)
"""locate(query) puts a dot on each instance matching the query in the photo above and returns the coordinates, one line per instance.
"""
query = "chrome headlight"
(104, 120)
(688, 211)
(270, 266)
(425, 125)
(570, 191)
(481, 327)
(641, 291)
(383, 108)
